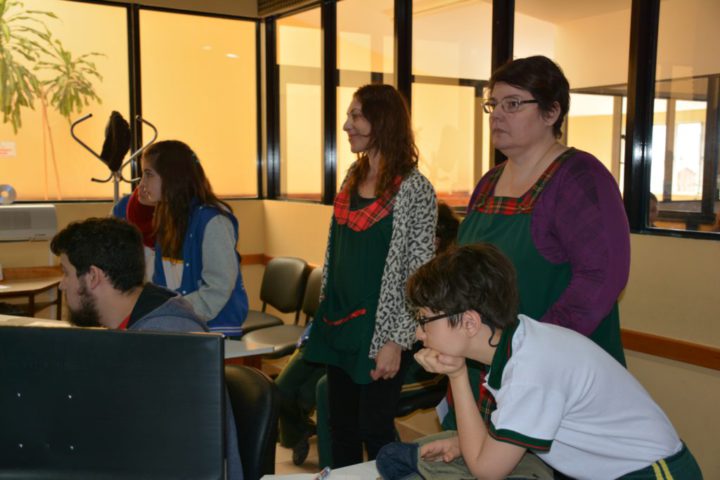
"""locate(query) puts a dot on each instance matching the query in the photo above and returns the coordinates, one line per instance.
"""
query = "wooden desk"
(13, 321)
(29, 282)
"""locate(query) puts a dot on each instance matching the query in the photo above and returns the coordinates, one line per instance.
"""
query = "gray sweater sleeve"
(220, 269)
(412, 244)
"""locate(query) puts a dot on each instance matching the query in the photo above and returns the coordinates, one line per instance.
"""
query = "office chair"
(255, 406)
(284, 338)
(92, 403)
(282, 287)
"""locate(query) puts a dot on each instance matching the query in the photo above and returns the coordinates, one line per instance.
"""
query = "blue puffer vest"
(230, 319)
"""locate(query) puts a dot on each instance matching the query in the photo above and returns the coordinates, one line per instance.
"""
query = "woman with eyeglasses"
(554, 210)
(382, 230)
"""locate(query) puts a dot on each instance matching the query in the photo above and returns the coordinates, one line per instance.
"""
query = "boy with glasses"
(550, 390)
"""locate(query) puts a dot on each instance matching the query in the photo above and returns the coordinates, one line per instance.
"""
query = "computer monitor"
(91, 403)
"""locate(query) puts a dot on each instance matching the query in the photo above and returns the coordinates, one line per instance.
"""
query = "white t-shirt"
(559, 390)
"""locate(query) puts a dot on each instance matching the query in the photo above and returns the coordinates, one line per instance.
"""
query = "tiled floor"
(283, 456)
(284, 463)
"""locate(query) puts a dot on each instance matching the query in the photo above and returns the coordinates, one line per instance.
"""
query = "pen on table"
(324, 473)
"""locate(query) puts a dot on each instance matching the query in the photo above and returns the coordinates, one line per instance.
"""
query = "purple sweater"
(580, 218)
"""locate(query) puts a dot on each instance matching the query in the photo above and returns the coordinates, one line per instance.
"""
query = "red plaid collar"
(485, 401)
(364, 218)
(486, 202)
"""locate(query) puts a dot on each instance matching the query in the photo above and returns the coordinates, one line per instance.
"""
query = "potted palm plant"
(21, 44)
(67, 87)
(35, 66)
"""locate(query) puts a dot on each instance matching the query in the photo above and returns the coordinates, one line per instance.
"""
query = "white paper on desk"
(296, 476)
(312, 476)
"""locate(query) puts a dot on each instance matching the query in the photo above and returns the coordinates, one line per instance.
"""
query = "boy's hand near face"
(436, 362)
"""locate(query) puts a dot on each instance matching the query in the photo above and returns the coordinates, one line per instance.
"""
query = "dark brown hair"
(391, 136)
(447, 227)
(473, 277)
(112, 245)
(543, 78)
(183, 181)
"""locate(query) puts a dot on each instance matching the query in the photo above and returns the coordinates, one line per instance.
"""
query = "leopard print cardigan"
(412, 244)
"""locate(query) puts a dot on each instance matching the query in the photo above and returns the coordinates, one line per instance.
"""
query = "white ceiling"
(559, 11)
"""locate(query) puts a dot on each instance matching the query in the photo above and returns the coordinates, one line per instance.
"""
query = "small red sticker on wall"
(8, 150)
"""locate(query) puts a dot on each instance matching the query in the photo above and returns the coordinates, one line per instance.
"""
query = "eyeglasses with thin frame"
(422, 321)
(508, 104)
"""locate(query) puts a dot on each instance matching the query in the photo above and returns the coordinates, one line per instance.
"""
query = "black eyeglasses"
(508, 104)
(422, 321)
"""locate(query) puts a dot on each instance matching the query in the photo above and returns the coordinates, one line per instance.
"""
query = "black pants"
(361, 415)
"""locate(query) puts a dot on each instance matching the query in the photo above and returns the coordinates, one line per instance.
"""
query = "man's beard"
(87, 315)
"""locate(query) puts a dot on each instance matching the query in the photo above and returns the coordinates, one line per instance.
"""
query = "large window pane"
(684, 177)
(590, 42)
(41, 160)
(365, 55)
(201, 89)
(299, 56)
(444, 116)
(452, 39)
(451, 64)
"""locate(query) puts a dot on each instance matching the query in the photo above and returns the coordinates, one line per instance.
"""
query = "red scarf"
(142, 217)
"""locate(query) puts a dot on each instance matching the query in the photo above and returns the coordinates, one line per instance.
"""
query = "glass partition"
(201, 89)
(684, 170)
(451, 64)
(364, 55)
(299, 58)
(590, 42)
(85, 73)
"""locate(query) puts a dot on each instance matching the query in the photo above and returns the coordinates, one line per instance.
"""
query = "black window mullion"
(135, 94)
(328, 16)
(272, 109)
(644, 22)
(712, 152)
(503, 31)
(403, 48)
(258, 109)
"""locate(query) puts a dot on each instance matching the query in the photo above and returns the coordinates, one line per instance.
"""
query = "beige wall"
(689, 396)
(297, 229)
(673, 292)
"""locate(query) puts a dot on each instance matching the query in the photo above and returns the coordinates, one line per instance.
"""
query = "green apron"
(345, 320)
(540, 282)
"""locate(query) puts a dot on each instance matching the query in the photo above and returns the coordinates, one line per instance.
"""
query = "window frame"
(135, 87)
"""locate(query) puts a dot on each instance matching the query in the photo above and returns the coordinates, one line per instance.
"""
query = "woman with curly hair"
(382, 230)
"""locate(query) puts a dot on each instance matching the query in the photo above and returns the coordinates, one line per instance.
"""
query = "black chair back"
(82, 403)
(283, 283)
(311, 299)
(254, 402)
